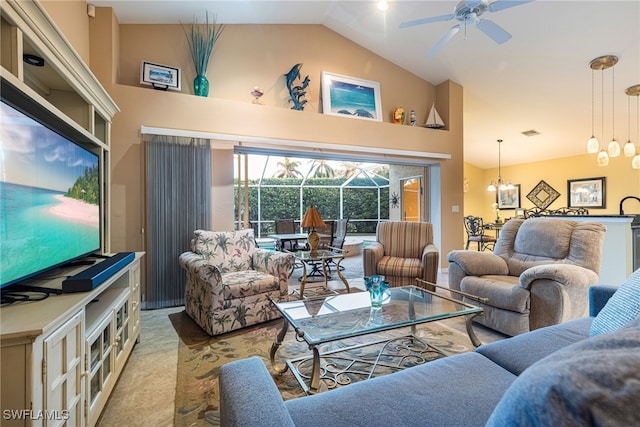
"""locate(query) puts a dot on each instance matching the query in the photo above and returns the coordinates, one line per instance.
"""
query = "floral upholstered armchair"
(230, 280)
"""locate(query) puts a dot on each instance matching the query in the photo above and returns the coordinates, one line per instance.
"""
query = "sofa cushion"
(502, 291)
(594, 382)
(537, 241)
(227, 250)
(459, 390)
(404, 239)
(394, 266)
(622, 307)
(534, 238)
(518, 353)
(248, 282)
(249, 377)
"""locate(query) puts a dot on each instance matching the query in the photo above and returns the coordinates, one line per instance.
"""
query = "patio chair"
(339, 236)
(287, 226)
(326, 238)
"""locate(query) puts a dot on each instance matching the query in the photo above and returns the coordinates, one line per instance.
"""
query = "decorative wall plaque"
(542, 195)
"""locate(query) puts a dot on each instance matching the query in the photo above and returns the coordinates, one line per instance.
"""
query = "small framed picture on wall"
(161, 77)
(508, 198)
(587, 192)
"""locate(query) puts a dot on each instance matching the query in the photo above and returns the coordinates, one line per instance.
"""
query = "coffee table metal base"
(408, 350)
(335, 368)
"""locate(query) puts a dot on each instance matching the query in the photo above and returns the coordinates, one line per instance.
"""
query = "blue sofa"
(557, 375)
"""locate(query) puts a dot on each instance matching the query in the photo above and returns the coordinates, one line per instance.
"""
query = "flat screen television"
(49, 196)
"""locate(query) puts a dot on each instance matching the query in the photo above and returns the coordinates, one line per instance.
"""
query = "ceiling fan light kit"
(613, 149)
(469, 12)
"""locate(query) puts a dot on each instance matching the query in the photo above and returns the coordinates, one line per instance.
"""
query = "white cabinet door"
(62, 374)
(100, 365)
(135, 299)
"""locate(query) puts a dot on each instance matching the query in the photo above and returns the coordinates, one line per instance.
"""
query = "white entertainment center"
(61, 356)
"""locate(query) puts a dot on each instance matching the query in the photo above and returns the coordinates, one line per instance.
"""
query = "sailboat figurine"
(434, 121)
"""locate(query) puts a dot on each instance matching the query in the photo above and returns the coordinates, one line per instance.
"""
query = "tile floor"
(145, 392)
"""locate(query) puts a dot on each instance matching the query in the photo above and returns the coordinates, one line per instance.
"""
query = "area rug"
(200, 357)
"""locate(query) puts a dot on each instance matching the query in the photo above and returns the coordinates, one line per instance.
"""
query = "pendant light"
(613, 149)
(500, 183)
(635, 91)
(602, 63)
(629, 147)
(602, 159)
(593, 145)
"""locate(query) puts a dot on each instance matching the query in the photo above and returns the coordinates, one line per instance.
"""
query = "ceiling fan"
(469, 12)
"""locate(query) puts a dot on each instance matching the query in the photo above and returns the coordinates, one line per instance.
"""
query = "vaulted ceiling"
(538, 80)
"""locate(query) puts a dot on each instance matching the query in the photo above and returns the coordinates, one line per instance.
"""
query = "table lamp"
(312, 219)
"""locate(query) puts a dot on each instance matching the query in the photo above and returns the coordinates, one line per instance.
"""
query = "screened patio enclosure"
(270, 188)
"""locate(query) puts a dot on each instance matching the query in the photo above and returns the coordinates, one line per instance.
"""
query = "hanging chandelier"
(500, 184)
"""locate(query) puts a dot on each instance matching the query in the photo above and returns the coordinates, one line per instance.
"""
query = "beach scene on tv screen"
(49, 197)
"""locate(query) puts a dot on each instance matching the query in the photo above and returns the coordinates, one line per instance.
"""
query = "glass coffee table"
(330, 318)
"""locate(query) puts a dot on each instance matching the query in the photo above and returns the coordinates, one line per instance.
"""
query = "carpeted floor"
(151, 391)
(200, 357)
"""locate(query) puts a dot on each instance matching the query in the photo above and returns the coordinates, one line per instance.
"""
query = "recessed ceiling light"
(383, 5)
(531, 132)
(34, 60)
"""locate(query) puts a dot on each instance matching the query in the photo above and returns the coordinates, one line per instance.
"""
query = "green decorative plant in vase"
(201, 39)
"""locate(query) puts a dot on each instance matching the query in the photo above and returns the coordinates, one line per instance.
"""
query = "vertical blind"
(178, 201)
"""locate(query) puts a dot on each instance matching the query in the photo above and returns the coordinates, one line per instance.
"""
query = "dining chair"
(475, 228)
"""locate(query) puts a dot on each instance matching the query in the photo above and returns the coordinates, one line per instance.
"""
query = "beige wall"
(246, 56)
(621, 181)
(250, 55)
(71, 16)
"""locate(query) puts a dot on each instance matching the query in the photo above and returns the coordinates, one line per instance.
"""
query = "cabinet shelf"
(104, 302)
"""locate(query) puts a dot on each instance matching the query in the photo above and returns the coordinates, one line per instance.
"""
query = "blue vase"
(201, 85)
(377, 286)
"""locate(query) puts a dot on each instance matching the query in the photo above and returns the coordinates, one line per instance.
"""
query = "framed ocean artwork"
(351, 97)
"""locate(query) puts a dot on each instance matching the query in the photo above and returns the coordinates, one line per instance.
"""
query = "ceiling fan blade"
(493, 30)
(499, 5)
(426, 20)
(436, 47)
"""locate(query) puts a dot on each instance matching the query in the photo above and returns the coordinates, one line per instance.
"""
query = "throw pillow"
(594, 382)
(622, 307)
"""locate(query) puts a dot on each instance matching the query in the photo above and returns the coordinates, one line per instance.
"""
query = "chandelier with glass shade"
(500, 184)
